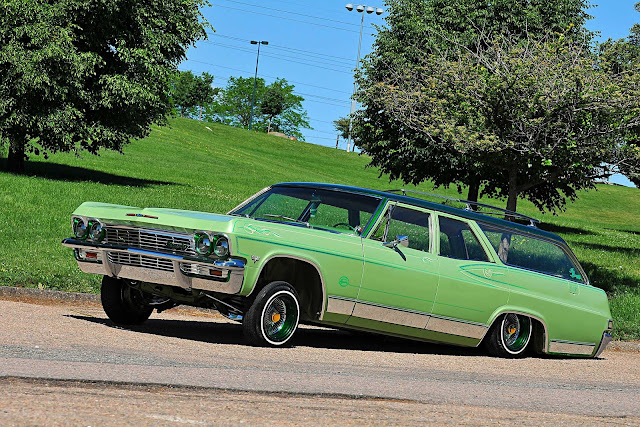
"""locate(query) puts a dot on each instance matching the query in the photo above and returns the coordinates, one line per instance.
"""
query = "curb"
(45, 294)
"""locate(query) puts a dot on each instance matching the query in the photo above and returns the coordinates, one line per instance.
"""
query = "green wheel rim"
(516, 331)
(280, 317)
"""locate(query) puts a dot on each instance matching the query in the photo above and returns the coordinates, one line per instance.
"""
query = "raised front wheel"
(123, 304)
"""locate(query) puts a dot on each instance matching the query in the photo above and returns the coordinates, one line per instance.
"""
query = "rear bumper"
(232, 270)
(606, 339)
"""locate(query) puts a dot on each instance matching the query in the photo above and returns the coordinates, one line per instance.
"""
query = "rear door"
(471, 285)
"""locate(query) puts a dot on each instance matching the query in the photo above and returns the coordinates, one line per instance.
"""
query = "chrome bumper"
(606, 339)
(233, 267)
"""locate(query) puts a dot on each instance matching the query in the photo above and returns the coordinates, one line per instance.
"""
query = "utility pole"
(255, 79)
(360, 8)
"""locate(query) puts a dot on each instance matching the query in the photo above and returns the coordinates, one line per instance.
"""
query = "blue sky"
(313, 44)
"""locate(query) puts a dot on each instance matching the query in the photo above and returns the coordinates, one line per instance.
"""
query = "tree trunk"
(269, 127)
(200, 114)
(474, 192)
(512, 200)
(15, 160)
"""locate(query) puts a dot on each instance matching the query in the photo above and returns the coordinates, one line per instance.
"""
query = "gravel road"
(65, 363)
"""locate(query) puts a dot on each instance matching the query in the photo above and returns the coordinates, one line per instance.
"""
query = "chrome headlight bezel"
(221, 247)
(95, 229)
(203, 243)
(79, 227)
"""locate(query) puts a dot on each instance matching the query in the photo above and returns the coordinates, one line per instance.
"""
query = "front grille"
(150, 240)
(140, 261)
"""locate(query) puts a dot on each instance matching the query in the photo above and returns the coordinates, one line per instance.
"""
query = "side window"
(458, 241)
(405, 222)
(532, 253)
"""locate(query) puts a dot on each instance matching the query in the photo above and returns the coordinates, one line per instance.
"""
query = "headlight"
(79, 228)
(203, 244)
(221, 249)
(96, 231)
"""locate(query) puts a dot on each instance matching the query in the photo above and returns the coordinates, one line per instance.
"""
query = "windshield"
(312, 207)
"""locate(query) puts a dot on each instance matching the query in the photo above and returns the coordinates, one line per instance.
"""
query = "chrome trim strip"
(228, 264)
(457, 327)
(391, 315)
(606, 339)
(568, 347)
(324, 291)
(339, 305)
(246, 202)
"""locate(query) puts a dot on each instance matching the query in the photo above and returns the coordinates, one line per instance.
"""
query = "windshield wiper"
(242, 215)
(286, 218)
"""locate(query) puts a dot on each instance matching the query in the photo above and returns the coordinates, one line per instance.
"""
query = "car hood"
(161, 218)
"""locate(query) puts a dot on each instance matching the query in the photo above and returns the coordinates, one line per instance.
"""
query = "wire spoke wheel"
(272, 319)
(515, 332)
(280, 317)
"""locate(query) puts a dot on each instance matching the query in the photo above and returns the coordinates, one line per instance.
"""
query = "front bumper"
(232, 270)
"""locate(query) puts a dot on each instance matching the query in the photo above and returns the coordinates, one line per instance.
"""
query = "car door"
(471, 286)
(399, 282)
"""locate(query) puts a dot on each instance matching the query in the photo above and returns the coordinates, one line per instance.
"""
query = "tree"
(416, 29)
(622, 57)
(542, 119)
(342, 127)
(84, 75)
(283, 110)
(189, 91)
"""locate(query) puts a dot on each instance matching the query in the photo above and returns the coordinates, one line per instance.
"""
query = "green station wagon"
(348, 258)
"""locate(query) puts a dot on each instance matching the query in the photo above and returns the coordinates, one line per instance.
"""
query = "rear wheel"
(509, 336)
(273, 317)
(123, 304)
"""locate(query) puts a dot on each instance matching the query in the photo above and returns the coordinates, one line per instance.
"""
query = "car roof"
(498, 222)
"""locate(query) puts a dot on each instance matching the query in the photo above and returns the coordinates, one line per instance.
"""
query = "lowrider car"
(349, 258)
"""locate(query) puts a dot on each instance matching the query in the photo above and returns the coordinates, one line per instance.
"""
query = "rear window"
(521, 250)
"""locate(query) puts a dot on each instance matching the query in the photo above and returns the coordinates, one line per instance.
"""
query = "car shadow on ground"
(307, 336)
(62, 172)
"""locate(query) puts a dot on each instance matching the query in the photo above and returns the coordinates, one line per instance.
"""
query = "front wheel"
(509, 336)
(273, 317)
(123, 304)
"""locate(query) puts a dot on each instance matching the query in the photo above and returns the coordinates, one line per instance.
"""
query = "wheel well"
(303, 276)
(538, 333)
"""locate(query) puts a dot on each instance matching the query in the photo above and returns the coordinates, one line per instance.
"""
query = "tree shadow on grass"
(609, 279)
(561, 229)
(609, 248)
(61, 172)
(635, 233)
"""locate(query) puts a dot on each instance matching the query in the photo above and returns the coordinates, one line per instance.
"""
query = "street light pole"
(360, 8)
(255, 79)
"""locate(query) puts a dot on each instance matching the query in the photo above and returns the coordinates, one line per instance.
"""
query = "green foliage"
(342, 126)
(503, 94)
(84, 75)
(276, 106)
(189, 91)
(166, 170)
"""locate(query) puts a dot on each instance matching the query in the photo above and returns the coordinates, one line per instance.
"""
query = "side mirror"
(400, 240)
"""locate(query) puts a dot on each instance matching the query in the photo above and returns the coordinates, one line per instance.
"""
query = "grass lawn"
(207, 167)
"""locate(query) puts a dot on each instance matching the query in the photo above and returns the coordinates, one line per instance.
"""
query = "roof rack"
(468, 206)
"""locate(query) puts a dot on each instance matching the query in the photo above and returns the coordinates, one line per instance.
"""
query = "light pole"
(255, 79)
(360, 8)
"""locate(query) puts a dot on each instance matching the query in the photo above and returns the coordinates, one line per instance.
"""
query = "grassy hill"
(208, 167)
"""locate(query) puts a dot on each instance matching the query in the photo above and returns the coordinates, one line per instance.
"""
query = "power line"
(272, 55)
(293, 13)
(272, 77)
(286, 48)
(288, 19)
